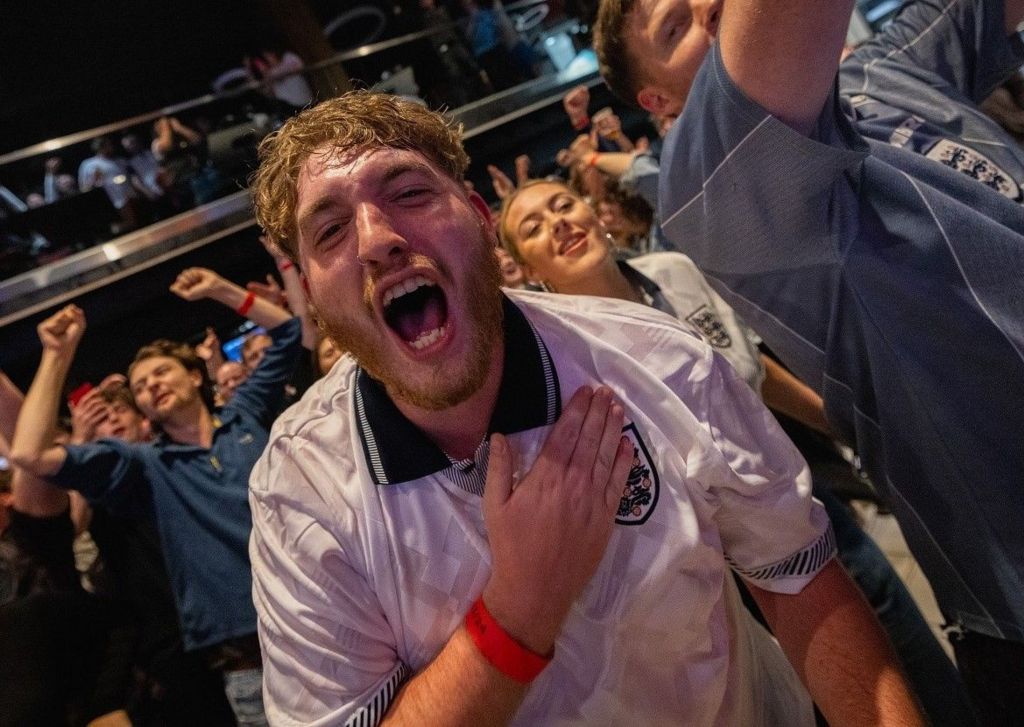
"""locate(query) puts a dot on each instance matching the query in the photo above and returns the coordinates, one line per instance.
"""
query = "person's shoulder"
(313, 470)
(578, 310)
(323, 404)
(609, 322)
(654, 262)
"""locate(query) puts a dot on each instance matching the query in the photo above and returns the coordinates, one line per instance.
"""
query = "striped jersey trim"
(374, 711)
(369, 441)
(550, 377)
(470, 474)
(806, 562)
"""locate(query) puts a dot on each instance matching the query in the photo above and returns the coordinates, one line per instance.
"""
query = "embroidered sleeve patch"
(640, 493)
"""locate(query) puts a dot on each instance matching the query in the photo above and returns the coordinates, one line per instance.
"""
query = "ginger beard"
(449, 383)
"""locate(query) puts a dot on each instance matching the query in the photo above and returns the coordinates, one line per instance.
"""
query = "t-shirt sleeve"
(641, 178)
(110, 472)
(329, 654)
(774, 533)
(963, 41)
(752, 201)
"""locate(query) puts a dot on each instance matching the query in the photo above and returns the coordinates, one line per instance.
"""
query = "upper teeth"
(404, 287)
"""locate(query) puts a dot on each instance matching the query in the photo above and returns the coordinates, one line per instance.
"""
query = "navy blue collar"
(397, 451)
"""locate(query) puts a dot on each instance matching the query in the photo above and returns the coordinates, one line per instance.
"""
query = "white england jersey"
(369, 543)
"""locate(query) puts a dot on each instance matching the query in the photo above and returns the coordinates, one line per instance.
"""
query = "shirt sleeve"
(641, 178)
(774, 533)
(751, 200)
(329, 654)
(262, 393)
(963, 41)
(109, 472)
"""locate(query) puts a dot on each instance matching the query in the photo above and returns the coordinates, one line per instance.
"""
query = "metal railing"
(110, 259)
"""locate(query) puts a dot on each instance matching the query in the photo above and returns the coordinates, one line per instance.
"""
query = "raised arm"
(784, 53)
(10, 404)
(197, 283)
(838, 648)
(163, 142)
(294, 292)
(32, 448)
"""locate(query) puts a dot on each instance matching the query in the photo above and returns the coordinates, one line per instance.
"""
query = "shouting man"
(521, 507)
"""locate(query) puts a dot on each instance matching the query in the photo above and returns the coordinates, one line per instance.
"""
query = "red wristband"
(285, 264)
(581, 123)
(503, 652)
(592, 159)
(246, 304)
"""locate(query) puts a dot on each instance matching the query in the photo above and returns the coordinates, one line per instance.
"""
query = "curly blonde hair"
(355, 122)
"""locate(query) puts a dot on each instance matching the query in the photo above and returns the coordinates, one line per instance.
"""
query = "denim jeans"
(244, 690)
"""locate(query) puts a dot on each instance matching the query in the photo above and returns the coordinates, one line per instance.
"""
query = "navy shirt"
(199, 497)
(891, 283)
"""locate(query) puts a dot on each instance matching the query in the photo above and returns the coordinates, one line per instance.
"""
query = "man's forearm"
(840, 652)
(784, 392)
(614, 163)
(459, 687)
(784, 53)
(31, 447)
(261, 312)
(10, 405)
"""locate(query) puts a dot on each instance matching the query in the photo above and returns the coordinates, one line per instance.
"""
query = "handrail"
(62, 142)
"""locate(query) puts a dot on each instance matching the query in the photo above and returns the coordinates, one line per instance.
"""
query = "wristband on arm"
(246, 304)
(502, 651)
(581, 122)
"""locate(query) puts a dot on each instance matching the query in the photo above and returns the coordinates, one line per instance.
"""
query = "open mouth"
(416, 309)
(573, 244)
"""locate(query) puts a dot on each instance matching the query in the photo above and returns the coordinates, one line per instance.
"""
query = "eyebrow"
(328, 201)
(536, 214)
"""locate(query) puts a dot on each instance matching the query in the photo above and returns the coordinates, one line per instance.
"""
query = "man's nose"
(379, 242)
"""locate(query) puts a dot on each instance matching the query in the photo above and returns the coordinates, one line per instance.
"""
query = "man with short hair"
(846, 223)
(192, 478)
(230, 375)
(253, 348)
(596, 586)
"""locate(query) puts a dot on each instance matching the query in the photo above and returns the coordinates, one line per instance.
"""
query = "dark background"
(70, 66)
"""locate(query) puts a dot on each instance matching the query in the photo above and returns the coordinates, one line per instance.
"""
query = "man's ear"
(196, 377)
(651, 99)
(481, 209)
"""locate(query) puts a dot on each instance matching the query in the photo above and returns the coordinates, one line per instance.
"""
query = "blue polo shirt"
(199, 497)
